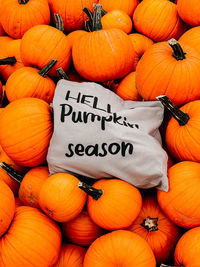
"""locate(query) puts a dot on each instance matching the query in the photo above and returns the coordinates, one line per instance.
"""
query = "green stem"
(179, 115)
(16, 175)
(91, 191)
(23, 2)
(150, 224)
(59, 22)
(178, 53)
(8, 61)
(61, 74)
(43, 72)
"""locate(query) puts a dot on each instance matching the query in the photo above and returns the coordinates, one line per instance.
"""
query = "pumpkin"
(187, 249)
(33, 239)
(117, 19)
(191, 37)
(158, 20)
(119, 248)
(182, 130)
(31, 82)
(74, 76)
(72, 36)
(17, 16)
(127, 89)
(112, 203)
(189, 11)
(1, 30)
(26, 129)
(182, 202)
(169, 68)
(140, 43)
(81, 230)
(61, 198)
(18, 203)
(31, 184)
(7, 207)
(4, 41)
(71, 256)
(41, 44)
(103, 55)
(127, 6)
(155, 227)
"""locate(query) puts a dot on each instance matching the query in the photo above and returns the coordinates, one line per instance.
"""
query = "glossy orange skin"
(31, 184)
(4, 40)
(7, 207)
(161, 241)
(109, 55)
(188, 249)
(71, 256)
(26, 129)
(17, 18)
(189, 11)
(159, 73)
(119, 248)
(118, 206)
(158, 20)
(27, 82)
(127, 6)
(81, 230)
(182, 203)
(191, 37)
(73, 36)
(61, 198)
(39, 51)
(33, 239)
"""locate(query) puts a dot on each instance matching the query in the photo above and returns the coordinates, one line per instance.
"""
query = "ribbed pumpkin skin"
(118, 206)
(71, 256)
(17, 18)
(182, 203)
(119, 248)
(26, 129)
(189, 11)
(81, 230)
(61, 198)
(72, 36)
(32, 240)
(31, 184)
(103, 55)
(163, 240)
(41, 44)
(7, 207)
(183, 141)
(191, 37)
(72, 12)
(127, 6)
(158, 19)
(27, 82)
(159, 73)
(188, 249)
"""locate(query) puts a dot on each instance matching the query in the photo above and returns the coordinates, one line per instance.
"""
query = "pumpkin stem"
(16, 175)
(43, 72)
(91, 191)
(96, 23)
(61, 74)
(23, 2)
(59, 22)
(173, 1)
(179, 115)
(151, 224)
(178, 51)
(8, 61)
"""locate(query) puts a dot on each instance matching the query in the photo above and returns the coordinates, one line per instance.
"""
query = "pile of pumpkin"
(142, 50)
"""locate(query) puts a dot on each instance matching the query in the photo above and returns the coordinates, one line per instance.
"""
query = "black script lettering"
(91, 150)
(70, 150)
(76, 117)
(103, 120)
(79, 149)
(77, 98)
(96, 107)
(116, 119)
(83, 99)
(103, 146)
(92, 116)
(116, 147)
(63, 110)
(125, 147)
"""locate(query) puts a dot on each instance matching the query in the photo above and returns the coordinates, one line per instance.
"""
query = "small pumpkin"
(112, 203)
(72, 36)
(119, 248)
(189, 11)
(61, 198)
(127, 6)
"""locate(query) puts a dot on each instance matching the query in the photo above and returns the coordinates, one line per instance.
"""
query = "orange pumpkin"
(26, 129)
(71, 256)
(33, 239)
(18, 203)
(158, 19)
(73, 36)
(182, 203)
(17, 16)
(191, 37)
(109, 55)
(127, 6)
(7, 207)
(119, 248)
(81, 230)
(153, 225)
(188, 249)
(31, 184)
(109, 201)
(168, 68)
(61, 198)
(30, 82)
(189, 11)
(1, 30)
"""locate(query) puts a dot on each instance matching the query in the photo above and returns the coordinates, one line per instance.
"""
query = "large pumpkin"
(32, 240)
(119, 248)
(26, 129)
(189, 11)
(191, 37)
(127, 6)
